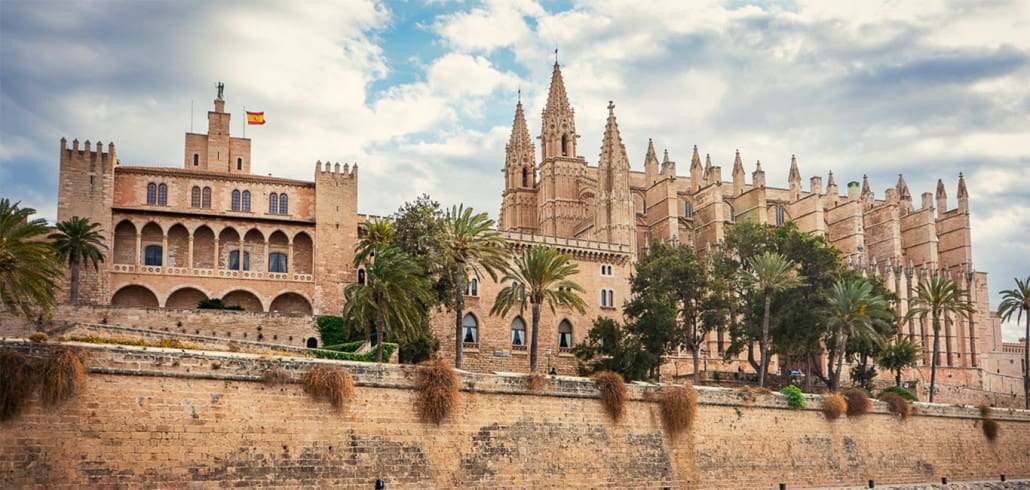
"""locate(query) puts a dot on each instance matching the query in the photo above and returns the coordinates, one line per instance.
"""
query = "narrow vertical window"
(196, 159)
(239, 164)
(611, 298)
(564, 336)
(518, 332)
(565, 145)
(470, 329)
(234, 260)
(475, 287)
(688, 210)
(207, 198)
(733, 213)
(604, 298)
(151, 193)
(273, 203)
(361, 276)
(525, 177)
(283, 204)
(246, 201)
(162, 195)
(779, 215)
(195, 197)
(235, 200)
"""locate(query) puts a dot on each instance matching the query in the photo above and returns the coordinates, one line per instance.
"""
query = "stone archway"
(185, 298)
(291, 303)
(135, 295)
(248, 300)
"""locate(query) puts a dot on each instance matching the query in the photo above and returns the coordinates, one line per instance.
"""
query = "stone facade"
(158, 418)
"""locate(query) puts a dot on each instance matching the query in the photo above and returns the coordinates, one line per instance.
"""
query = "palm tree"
(29, 267)
(470, 247)
(898, 356)
(78, 242)
(391, 296)
(852, 310)
(769, 272)
(1018, 301)
(935, 297)
(540, 274)
(376, 235)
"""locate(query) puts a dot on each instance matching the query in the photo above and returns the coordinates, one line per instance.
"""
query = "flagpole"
(244, 121)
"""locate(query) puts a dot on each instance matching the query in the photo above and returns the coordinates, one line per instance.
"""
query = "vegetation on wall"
(613, 393)
(343, 354)
(795, 398)
(897, 404)
(678, 405)
(329, 384)
(858, 402)
(17, 381)
(436, 387)
(63, 374)
(902, 392)
(834, 406)
(991, 428)
(216, 304)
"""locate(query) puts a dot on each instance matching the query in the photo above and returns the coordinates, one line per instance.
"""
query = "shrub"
(63, 374)
(216, 304)
(613, 393)
(369, 356)
(330, 328)
(536, 382)
(38, 338)
(276, 376)
(858, 402)
(16, 382)
(330, 384)
(834, 406)
(902, 392)
(436, 385)
(985, 411)
(795, 399)
(991, 428)
(678, 408)
(897, 403)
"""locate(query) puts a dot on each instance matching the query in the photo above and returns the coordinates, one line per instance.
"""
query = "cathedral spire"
(865, 185)
(614, 217)
(651, 164)
(696, 172)
(794, 177)
(519, 130)
(902, 187)
(557, 99)
(668, 166)
(738, 174)
(519, 176)
(558, 133)
(830, 181)
(962, 191)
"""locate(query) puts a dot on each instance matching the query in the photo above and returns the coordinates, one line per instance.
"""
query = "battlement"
(87, 152)
(334, 172)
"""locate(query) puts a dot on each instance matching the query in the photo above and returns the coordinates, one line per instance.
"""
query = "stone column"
(217, 249)
(139, 250)
(189, 265)
(289, 261)
(164, 251)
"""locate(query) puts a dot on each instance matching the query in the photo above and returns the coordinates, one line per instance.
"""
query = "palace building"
(211, 229)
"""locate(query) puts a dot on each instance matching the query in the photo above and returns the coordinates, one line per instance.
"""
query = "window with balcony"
(234, 260)
(152, 255)
(276, 262)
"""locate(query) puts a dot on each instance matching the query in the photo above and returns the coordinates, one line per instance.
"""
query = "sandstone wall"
(161, 417)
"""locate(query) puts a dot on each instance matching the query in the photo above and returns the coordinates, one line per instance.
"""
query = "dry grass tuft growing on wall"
(858, 402)
(613, 393)
(276, 376)
(834, 405)
(991, 428)
(331, 384)
(63, 374)
(897, 404)
(678, 408)
(436, 384)
(536, 382)
(16, 382)
(39, 338)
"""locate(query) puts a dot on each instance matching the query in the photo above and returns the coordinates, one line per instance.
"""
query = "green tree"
(470, 248)
(769, 272)
(897, 356)
(79, 241)
(29, 265)
(392, 295)
(375, 235)
(609, 346)
(540, 274)
(937, 297)
(1017, 301)
(852, 311)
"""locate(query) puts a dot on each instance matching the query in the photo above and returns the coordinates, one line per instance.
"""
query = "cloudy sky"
(421, 93)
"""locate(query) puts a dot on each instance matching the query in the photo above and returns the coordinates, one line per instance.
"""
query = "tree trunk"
(897, 378)
(763, 342)
(933, 362)
(1026, 361)
(73, 265)
(459, 306)
(379, 336)
(533, 337)
(840, 364)
(697, 365)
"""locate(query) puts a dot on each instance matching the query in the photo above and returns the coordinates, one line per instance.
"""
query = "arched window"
(246, 200)
(235, 200)
(643, 205)
(733, 213)
(151, 193)
(234, 260)
(688, 210)
(162, 195)
(195, 197)
(474, 287)
(207, 198)
(611, 298)
(273, 203)
(239, 164)
(361, 276)
(565, 145)
(604, 298)
(525, 177)
(778, 211)
(276, 262)
(312, 343)
(518, 333)
(564, 336)
(470, 329)
(196, 159)
(152, 255)
(283, 201)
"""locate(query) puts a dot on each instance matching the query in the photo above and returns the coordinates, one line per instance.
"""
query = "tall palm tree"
(79, 241)
(391, 296)
(539, 275)
(936, 297)
(471, 247)
(852, 310)
(1018, 301)
(375, 236)
(898, 356)
(29, 267)
(769, 272)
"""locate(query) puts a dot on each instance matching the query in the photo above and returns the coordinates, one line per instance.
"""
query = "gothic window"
(643, 205)
(525, 177)
(234, 260)
(239, 164)
(162, 195)
(778, 211)
(518, 332)
(246, 201)
(235, 200)
(611, 298)
(470, 329)
(283, 208)
(195, 197)
(207, 198)
(151, 193)
(604, 298)
(196, 159)
(277, 262)
(733, 213)
(273, 203)
(565, 145)
(152, 255)
(474, 287)
(688, 210)
(361, 276)
(564, 336)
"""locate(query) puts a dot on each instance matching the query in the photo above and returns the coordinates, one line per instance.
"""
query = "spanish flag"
(255, 117)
